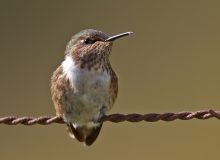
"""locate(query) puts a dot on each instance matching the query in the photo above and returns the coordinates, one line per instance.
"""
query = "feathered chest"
(86, 82)
(83, 80)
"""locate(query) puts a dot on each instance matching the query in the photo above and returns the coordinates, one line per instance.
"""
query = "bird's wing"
(113, 88)
(59, 89)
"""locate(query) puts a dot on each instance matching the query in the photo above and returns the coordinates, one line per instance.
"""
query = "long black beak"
(112, 38)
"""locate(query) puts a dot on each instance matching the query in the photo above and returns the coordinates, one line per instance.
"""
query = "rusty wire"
(150, 117)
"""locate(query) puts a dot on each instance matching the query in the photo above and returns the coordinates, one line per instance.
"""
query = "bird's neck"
(94, 62)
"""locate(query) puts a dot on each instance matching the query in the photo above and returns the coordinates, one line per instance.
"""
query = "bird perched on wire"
(84, 87)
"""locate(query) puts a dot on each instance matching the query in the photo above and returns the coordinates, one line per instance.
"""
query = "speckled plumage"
(84, 87)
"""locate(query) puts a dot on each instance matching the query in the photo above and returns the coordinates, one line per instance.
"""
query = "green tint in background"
(171, 63)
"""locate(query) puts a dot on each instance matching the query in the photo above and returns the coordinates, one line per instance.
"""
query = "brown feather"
(90, 139)
(72, 131)
(60, 87)
(85, 134)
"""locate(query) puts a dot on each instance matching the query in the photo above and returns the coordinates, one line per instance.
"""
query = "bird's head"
(91, 45)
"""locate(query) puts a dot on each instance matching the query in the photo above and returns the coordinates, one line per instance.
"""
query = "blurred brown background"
(171, 63)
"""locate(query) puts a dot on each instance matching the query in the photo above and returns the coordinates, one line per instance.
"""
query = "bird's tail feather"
(84, 134)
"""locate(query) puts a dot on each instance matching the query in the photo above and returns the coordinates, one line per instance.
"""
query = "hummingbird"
(84, 87)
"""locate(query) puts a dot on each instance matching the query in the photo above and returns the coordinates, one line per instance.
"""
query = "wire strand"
(116, 118)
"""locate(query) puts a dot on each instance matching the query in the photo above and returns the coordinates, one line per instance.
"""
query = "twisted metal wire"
(150, 117)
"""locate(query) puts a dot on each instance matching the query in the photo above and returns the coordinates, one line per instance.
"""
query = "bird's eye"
(88, 41)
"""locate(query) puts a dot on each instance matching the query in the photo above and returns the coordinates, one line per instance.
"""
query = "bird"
(84, 87)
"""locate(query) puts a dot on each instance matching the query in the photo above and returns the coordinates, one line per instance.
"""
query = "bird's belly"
(90, 97)
(91, 87)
